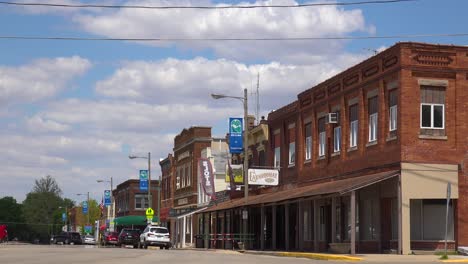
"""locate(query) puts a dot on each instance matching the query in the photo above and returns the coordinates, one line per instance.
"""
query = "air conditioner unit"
(332, 118)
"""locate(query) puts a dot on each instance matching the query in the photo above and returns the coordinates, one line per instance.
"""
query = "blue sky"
(75, 109)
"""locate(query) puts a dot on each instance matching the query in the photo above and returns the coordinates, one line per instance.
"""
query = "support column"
(262, 228)
(300, 226)
(191, 229)
(286, 226)
(273, 234)
(333, 220)
(184, 227)
(353, 222)
(316, 226)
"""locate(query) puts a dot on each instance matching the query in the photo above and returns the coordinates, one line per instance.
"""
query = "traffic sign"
(149, 212)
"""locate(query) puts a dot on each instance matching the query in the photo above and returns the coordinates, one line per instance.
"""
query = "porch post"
(333, 219)
(400, 224)
(262, 227)
(286, 225)
(316, 226)
(184, 227)
(273, 233)
(191, 229)
(353, 222)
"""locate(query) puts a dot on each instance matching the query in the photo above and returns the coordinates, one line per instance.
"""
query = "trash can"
(199, 241)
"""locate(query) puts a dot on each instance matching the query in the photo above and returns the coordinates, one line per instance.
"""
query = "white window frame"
(308, 148)
(178, 180)
(432, 116)
(292, 153)
(143, 201)
(277, 157)
(189, 176)
(373, 126)
(337, 139)
(182, 172)
(353, 133)
(322, 143)
(393, 118)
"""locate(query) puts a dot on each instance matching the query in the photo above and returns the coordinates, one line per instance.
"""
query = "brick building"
(167, 190)
(365, 158)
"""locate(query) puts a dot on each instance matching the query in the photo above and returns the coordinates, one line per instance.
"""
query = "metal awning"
(339, 187)
(189, 213)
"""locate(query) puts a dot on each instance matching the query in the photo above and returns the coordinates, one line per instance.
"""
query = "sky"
(76, 110)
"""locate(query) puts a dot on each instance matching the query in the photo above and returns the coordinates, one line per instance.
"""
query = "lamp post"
(111, 210)
(89, 207)
(150, 200)
(246, 158)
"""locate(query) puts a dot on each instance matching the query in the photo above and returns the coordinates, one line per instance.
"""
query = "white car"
(155, 235)
(89, 240)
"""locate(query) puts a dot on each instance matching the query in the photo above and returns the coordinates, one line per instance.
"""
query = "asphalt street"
(59, 254)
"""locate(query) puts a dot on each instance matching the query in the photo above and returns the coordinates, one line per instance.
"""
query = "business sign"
(85, 207)
(237, 172)
(206, 176)
(263, 177)
(235, 135)
(107, 197)
(143, 180)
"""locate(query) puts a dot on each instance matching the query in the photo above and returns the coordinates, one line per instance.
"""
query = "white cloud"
(318, 21)
(42, 78)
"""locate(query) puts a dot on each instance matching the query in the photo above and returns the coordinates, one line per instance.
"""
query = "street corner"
(318, 256)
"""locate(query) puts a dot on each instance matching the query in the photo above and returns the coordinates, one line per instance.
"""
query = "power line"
(233, 39)
(205, 7)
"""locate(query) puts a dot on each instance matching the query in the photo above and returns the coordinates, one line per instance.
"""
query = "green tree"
(94, 212)
(40, 208)
(11, 215)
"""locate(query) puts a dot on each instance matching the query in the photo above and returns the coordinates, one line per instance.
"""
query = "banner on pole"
(107, 197)
(85, 207)
(235, 135)
(143, 180)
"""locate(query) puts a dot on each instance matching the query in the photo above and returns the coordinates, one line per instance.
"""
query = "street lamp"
(246, 133)
(246, 158)
(89, 207)
(150, 200)
(110, 214)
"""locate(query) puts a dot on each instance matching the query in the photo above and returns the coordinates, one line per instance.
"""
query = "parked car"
(110, 238)
(89, 240)
(129, 237)
(155, 235)
(68, 238)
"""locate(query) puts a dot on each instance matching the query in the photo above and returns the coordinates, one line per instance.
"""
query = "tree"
(40, 208)
(94, 212)
(11, 215)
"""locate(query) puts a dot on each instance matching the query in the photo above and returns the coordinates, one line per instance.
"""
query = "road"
(59, 254)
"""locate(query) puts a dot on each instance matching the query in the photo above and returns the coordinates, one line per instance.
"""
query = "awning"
(189, 213)
(332, 187)
(133, 220)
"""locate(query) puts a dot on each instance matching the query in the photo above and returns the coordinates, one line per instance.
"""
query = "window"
(432, 110)
(353, 126)
(426, 217)
(337, 134)
(178, 179)
(322, 136)
(393, 104)
(189, 176)
(277, 149)
(261, 158)
(292, 145)
(182, 175)
(373, 118)
(141, 201)
(308, 141)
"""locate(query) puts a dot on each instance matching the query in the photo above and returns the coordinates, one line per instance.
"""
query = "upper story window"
(141, 201)
(353, 125)
(373, 118)
(337, 134)
(178, 179)
(432, 108)
(292, 145)
(393, 110)
(322, 137)
(276, 147)
(308, 141)
(182, 176)
(261, 158)
(188, 175)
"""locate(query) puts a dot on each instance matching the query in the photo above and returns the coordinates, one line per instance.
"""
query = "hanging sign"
(143, 180)
(235, 135)
(107, 197)
(206, 176)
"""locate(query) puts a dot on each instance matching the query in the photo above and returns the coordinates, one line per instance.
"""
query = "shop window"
(427, 219)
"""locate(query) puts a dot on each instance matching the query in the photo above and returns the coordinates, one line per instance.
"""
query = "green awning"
(133, 220)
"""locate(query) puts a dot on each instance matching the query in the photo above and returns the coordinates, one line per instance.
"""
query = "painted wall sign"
(263, 177)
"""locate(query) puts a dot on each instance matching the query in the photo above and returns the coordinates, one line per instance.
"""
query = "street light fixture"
(89, 207)
(111, 211)
(150, 200)
(246, 158)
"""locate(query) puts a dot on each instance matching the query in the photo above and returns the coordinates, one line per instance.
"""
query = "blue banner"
(85, 207)
(235, 135)
(143, 180)
(107, 198)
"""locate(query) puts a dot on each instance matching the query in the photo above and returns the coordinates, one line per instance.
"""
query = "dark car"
(129, 237)
(68, 238)
(110, 238)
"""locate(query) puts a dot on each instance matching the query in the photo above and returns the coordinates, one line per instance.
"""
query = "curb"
(316, 256)
(455, 260)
